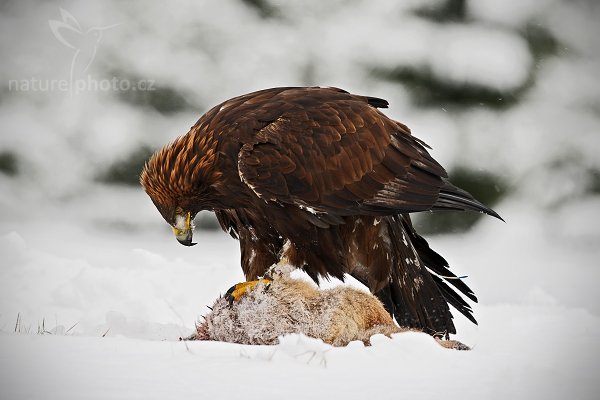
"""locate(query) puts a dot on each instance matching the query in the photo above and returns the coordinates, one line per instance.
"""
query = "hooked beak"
(183, 229)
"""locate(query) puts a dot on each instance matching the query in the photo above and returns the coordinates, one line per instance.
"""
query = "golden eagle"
(321, 179)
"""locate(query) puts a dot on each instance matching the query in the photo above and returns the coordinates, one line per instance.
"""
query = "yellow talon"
(237, 291)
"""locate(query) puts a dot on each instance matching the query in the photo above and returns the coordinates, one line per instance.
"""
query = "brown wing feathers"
(341, 156)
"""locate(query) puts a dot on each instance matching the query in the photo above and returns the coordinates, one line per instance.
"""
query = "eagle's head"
(180, 180)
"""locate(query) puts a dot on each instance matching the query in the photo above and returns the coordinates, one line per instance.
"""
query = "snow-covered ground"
(95, 292)
(114, 301)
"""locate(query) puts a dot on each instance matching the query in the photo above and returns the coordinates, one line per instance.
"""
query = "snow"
(96, 267)
(510, 12)
(537, 319)
(502, 59)
(409, 365)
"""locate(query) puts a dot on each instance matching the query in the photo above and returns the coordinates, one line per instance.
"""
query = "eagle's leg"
(238, 290)
(282, 268)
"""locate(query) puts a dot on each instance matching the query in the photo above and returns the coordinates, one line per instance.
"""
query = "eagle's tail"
(419, 291)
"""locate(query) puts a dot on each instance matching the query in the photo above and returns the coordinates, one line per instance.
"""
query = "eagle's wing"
(343, 157)
(335, 155)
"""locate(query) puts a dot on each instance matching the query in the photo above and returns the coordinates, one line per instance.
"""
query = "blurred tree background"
(507, 97)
